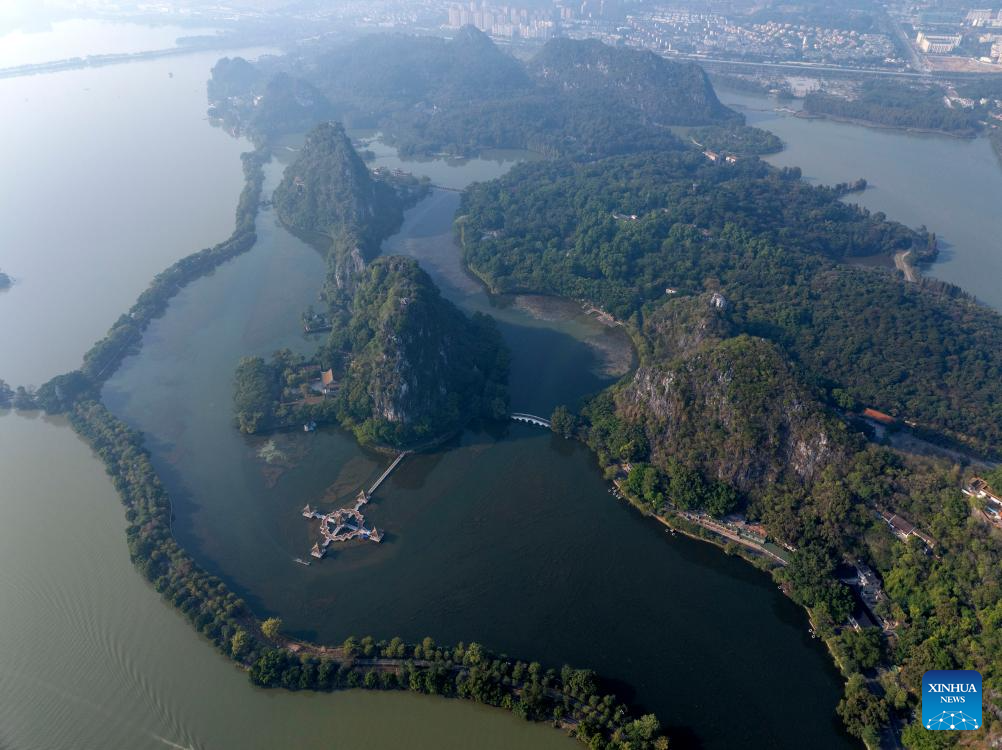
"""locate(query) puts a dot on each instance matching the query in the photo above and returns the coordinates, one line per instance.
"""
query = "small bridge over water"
(389, 470)
(531, 419)
(345, 524)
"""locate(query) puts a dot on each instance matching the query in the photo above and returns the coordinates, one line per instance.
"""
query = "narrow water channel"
(507, 535)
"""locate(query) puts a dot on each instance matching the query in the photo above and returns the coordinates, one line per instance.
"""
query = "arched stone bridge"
(531, 419)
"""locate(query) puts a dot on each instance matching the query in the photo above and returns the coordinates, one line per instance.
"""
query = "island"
(429, 96)
(5, 280)
(782, 360)
(772, 367)
(401, 364)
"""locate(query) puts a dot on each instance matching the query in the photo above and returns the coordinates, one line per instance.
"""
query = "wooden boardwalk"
(389, 470)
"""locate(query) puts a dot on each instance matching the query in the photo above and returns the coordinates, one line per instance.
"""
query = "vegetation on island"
(897, 105)
(328, 190)
(430, 95)
(569, 698)
(573, 699)
(621, 232)
(758, 342)
(739, 140)
(6, 394)
(406, 366)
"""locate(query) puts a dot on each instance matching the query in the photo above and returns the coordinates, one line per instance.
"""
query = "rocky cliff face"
(682, 325)
(419, 368)
(662, 91)
(328, 189)
(732, 407)
(329, 192)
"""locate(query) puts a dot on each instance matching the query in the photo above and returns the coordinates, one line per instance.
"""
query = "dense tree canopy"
(431, 95)
(620, 232)
(897, 105)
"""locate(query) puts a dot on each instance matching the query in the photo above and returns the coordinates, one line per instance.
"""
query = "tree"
(642, 730)
(917, 737)
(254, 393)
(721, 499)
(271, 627)
(23, 399)
(994, 479)
(862, 649)
(563, 422)
(862, 711)
(269, 669)
(239, 643)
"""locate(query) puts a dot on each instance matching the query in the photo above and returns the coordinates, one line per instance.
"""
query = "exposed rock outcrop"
(735, 409)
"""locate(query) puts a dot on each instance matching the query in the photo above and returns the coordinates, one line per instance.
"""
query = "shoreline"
(805, 115)
(760, 559)
(223, 617)
(119, 58)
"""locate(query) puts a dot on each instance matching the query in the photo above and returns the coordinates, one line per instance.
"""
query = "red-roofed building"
(327, 382)
(879, 416)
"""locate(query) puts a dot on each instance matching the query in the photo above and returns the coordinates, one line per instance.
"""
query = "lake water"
(91, 658)
(100, 190)
(506, 535)
(107, 176)
(79, 37)
(953, 186)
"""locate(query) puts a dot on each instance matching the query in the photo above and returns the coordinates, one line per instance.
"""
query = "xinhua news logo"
(951, 699)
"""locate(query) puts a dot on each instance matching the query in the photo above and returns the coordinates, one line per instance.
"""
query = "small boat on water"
(310, 426)
(301, 561)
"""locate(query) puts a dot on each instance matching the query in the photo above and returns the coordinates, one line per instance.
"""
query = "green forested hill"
(409, 365)
(774, 246)
(462, 95)
(897, 105)
(754, 331)
(328, 190)
(381, 73)
(735, 410)
(418, 367)
(657, 90)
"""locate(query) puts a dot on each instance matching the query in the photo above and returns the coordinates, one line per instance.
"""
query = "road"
(902, 264)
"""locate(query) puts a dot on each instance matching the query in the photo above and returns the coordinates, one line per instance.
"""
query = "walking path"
(902, 264)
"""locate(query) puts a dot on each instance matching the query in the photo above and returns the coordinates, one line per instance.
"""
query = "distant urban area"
(917, 37)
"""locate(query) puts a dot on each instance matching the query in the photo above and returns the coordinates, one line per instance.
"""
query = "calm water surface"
(107, 176)
(951, 185)
(101, 189)
(507, 535)
(91, 658)
(79, 37)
